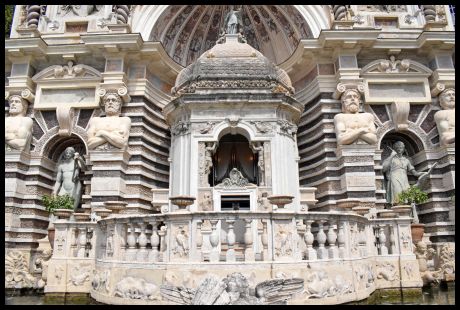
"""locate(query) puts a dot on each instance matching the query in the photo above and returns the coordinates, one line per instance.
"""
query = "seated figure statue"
(18, 127)
(351, 126)
(445, 119)
(113, 130)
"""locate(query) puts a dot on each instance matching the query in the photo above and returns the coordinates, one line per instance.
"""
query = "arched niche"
(233, 151)
(412, 143)
(54, 150)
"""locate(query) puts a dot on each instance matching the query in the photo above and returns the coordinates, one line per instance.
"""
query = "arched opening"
(413, 145)
(54, 150)
(233, 152)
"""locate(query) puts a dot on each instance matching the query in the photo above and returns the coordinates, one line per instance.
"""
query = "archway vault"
(187, 31)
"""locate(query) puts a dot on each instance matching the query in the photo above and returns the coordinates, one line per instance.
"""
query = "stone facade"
(245, 131)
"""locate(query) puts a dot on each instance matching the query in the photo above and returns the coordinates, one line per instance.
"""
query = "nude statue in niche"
(67, 179)
(351, 126)
(113, 130)
(445, 119)
(18, 127)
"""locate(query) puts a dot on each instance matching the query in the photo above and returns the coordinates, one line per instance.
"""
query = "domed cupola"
(232, 65)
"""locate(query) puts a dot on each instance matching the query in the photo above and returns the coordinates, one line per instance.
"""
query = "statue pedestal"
(109, 173)
(358, 166)
(16, 167)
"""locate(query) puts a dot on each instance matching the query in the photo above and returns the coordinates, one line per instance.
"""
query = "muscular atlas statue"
(112, 130)
(18, 127)
(445, 119)
(351, 126)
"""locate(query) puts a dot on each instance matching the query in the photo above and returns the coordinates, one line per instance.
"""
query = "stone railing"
(244, 236)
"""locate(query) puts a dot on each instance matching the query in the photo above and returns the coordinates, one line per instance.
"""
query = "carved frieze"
(79, 274)
(180, 247)
(101, 280)
(394, 66)
(319, 285)
(287, 128)
(387, 271)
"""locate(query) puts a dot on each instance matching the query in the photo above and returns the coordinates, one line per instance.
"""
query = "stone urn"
(82, 217)
(182, 201)
(63, 213)
(347, 204)
(361, 210)
(417, 231)
(386, 214)
(402, 210)
(102, 212)
(280, 200)
(115, 206)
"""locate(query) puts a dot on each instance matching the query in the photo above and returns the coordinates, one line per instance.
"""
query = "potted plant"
(414, 196)
(61, 206)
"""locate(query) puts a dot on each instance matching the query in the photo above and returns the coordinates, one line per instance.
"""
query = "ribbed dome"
(232, 65)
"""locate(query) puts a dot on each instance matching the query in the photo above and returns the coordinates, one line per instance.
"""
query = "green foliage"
(52, 203)
(9, 11)
(413, 195)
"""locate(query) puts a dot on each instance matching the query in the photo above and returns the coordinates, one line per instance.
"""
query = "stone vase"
(417, 231)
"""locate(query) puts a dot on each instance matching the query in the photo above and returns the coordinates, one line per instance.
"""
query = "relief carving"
(136, 288)
(262, 127)
(319, 285)
(423, 254)
(180, 248)
(207, 127)
(447, 260)
(287, 128)
(180, 128)
(101, 280)
(80, 274)
(235, 179)
(387, 271)
(394, 66)
(17, 273)
(286, 241)
(233, 290)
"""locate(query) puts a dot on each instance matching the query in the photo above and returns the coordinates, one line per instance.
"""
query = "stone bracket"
(400, 113)
(65, 115)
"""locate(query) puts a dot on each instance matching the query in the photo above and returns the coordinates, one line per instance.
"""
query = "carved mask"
(447, 99)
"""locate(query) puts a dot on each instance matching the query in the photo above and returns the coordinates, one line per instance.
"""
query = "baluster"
(363, 242)
(382, 239)
(81, 242)
(300, 251)
(332, 238)
(214, 239)
(248, 241)
(162, 233)
(230, 256)
(199, 241)
(265, 241)
(154, 242)
(309, 238)
(131, 240)
(142, 253)
(90, 240)
(321, 238)
(392, 240)
(341, 239)
(109, 242)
